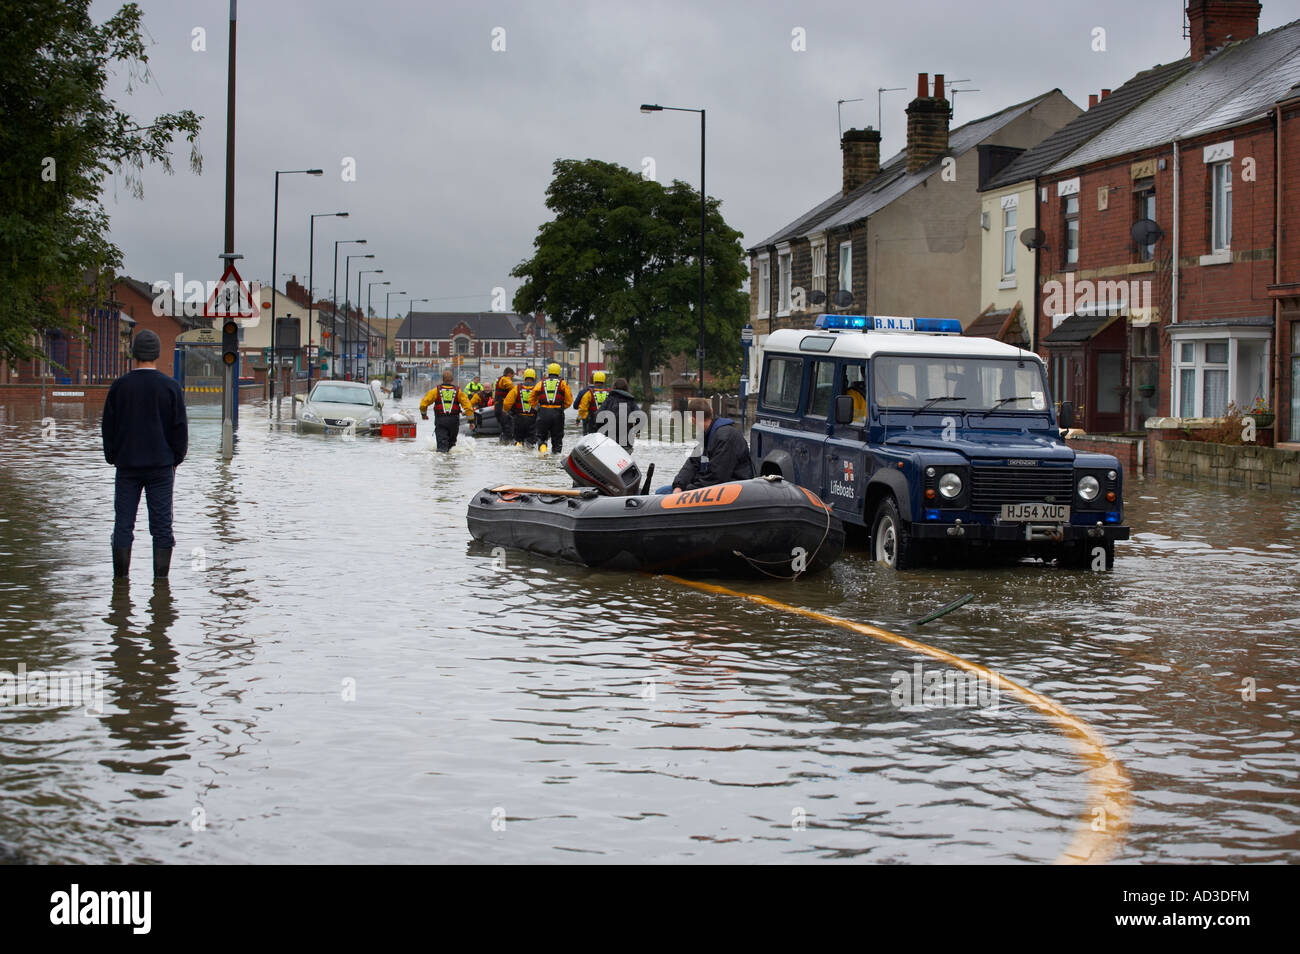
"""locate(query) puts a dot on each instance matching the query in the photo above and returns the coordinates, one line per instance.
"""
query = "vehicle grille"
(339, 421)
(991, 487)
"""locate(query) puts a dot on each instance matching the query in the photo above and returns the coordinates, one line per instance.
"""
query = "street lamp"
(311, 277)
(654, 108)
(410, 327)
(275, 239)
(369, 285)
(347, 274)
(387, 328)
(333, 304)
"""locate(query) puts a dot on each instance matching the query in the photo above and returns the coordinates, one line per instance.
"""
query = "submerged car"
(337, 407)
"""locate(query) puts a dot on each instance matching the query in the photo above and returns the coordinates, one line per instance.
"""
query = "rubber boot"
(541, 450)
(162, 561)
(121, 562)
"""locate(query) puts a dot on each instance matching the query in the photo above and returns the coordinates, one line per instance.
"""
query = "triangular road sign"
(232, 297)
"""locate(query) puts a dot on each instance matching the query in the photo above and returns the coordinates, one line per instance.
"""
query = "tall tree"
(620, 261)
(60, 137)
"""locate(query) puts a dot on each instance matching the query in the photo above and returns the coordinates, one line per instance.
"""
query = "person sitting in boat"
(724, 452)
(616, 419)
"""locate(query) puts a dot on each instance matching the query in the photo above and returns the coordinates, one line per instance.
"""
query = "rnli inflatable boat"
(760, 527)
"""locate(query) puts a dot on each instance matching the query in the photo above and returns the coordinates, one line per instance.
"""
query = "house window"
(1221, 206)
(1211, 373)
(1070, 209)
(1145, 208)
(846, 266)
(819, 268)
(462, 346)
(1009, 242)
(783, 270)
(764, 286)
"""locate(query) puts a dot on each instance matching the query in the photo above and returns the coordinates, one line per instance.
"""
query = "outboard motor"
(601, 462)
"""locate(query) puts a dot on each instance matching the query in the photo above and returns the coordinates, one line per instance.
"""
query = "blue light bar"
(933, 326)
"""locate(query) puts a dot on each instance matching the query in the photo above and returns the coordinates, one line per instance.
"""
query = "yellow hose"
(1100, 832)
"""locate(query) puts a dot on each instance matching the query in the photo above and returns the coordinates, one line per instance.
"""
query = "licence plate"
(1037, 512)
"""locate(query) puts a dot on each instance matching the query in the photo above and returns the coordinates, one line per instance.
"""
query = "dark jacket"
(725, 458)
(144, 423)
(621, 427)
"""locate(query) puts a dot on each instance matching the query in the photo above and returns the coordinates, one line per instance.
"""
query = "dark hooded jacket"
(725, 458)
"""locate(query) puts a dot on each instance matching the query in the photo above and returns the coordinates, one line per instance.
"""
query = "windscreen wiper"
(950, 397)
(1001, 401)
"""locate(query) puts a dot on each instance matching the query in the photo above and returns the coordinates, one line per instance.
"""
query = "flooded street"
(338, 674)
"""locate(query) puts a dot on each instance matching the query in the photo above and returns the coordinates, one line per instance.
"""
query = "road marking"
(1109, 789)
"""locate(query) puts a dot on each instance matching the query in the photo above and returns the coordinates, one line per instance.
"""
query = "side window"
(823, 385)
(781, 380)
(853, 382)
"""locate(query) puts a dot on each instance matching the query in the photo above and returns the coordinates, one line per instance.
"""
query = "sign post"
(746, 342)
(233, 302)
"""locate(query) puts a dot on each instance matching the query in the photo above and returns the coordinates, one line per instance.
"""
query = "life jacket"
(551, 388)
(501, 390)
(446, 402)
(524, 404)
(598, 396)
(473, 388)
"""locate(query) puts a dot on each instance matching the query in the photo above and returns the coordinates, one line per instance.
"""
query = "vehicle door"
(846, 457)
(815, 426)
(777, 429)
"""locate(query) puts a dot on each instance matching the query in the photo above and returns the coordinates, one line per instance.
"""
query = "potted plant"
(1262, 413)
(1146, 390)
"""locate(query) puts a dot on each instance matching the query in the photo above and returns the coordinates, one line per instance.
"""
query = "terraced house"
(903, 237)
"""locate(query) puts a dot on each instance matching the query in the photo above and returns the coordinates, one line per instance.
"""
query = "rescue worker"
(522, 406)
(474, 390)
(591, 402)
(504, 385)
(551, 397)
(448, 401)
(615, 419)
(724, 452)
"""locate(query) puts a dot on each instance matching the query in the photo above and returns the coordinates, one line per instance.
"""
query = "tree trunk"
(647, 384)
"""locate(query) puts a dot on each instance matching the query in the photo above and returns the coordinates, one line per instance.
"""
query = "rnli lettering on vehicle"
(717, 496)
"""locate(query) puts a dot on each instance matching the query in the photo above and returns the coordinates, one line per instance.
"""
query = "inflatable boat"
(485, 423)
(760, 527)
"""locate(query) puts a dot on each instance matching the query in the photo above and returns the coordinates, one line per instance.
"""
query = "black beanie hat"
(146, 346)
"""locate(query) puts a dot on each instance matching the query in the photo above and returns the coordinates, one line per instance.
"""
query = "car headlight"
(308, 416)
(950, 485)
(1088, 487)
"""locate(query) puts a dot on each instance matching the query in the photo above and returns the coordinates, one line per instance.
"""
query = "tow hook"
(1044, 531)
(1096, 531)
(957, 530)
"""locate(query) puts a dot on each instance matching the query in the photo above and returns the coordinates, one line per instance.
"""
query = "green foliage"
(620, 261)
(60, 137)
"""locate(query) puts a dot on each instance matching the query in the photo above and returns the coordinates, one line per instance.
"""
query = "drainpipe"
(1279, 338)
(1173, 291)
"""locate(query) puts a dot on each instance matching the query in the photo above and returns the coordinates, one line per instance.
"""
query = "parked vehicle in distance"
(336, 407)
(936, 443)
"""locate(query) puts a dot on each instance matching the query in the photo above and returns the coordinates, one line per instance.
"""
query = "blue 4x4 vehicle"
(936, 443)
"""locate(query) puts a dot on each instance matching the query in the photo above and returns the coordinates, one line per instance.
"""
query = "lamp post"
(275, 239)
(410, 327)
(334, 301)
(366, 314)
(311, 277)
(347, 274)
(388, 302)
(654, 108)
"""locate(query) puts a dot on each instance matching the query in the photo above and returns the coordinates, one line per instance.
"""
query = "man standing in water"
(146, 436)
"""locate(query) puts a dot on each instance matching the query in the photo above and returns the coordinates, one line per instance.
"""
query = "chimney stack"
(861, 148)
(1105, 93)
(1216, 22)
(927, 123)
(1092, 100)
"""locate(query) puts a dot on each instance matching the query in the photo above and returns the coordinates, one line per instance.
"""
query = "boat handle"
(631, 503)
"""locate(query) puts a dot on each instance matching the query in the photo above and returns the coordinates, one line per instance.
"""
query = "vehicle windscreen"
(334, 394)
(948, 383)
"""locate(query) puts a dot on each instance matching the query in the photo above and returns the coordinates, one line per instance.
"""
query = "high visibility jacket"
(446, 399)
(520, 400)
(473, 389)
(503, 387)
(553, 393)
(592, 401)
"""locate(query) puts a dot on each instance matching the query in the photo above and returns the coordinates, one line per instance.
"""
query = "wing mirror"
(1065, 415)
(843, 409)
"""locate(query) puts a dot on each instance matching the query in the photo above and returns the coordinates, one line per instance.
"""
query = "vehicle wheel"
(891, 543)
(1082, 557)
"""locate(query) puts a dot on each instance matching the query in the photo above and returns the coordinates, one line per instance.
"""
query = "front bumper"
(958, 532)
(319, 427)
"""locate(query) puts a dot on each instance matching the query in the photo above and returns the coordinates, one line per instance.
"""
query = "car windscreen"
(334, 394)
(962, 383)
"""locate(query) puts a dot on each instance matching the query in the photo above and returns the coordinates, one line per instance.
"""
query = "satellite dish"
(1146, 232)
(1033, 239)
(843, 298)
(816, 297)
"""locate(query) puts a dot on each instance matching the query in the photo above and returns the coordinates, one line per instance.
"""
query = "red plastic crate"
(398, 431)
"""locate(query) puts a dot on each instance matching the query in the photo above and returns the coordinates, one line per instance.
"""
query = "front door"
(1107, 399)
(846, 458)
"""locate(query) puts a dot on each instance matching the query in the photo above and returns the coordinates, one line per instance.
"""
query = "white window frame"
(764, 286)
(817, 254)
(1010, 205)
(784, 261)
(846, 266)
(1198, 338)
(1221, 207)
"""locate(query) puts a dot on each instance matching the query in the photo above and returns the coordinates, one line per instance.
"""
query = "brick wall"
(1130, 451)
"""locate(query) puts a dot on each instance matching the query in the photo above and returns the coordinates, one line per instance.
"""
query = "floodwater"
(336, 674)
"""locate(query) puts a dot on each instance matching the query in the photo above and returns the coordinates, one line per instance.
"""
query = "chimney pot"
(1092, 100)
(922, 85)
(1105, 93)
(938, 86)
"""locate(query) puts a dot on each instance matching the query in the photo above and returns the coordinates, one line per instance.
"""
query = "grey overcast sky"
(453, 141)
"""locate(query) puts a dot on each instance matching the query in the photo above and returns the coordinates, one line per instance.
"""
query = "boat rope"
(798, 573)
(1099, 834)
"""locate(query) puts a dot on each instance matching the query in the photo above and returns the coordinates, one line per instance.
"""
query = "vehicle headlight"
(306, 415)
(950, 485)
(1088, 487)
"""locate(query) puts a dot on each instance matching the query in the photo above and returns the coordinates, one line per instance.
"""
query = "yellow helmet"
(553, 369)
(530, 373)
(598, 377)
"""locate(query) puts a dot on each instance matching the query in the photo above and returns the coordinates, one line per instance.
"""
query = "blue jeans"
(156, 482)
